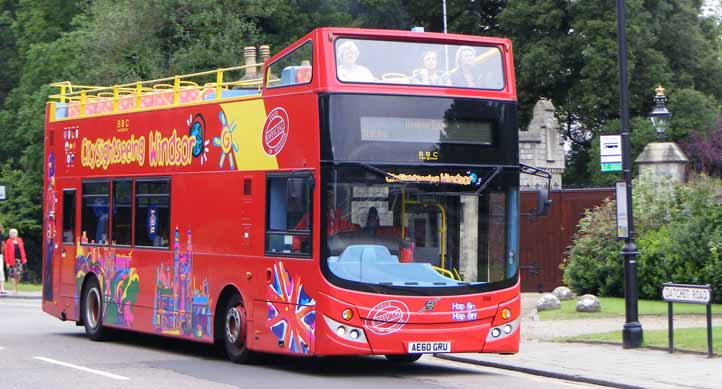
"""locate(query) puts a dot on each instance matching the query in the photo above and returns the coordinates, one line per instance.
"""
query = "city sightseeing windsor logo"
(387, 317)
(275, 131)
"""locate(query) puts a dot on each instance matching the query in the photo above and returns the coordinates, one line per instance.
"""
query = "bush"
(594, 265)
(679, 231)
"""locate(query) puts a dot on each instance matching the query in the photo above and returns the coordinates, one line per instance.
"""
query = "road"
(39, 351)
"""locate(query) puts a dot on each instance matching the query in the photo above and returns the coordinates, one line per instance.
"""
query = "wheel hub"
(235, 325)
(93, 307)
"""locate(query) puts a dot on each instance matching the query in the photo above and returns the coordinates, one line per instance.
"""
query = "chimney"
(265, 53)
(249, 55)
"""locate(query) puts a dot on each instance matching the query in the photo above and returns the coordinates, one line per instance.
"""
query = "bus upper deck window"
(294, 68)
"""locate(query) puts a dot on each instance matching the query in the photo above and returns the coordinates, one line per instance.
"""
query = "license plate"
(429, 347)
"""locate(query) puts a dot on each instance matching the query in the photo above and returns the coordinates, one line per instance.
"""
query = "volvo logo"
(429, 305)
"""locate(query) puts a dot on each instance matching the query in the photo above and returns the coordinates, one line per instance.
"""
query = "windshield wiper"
(376, 170)
(487, 181)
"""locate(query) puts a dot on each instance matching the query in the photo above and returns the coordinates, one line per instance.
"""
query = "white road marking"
(83, 368)
(20, 305)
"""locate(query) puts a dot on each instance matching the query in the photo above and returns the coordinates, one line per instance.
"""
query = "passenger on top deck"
(429, 73)
(347, 69)
(477, 71)
(466, 73)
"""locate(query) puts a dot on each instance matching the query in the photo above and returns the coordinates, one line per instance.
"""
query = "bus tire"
(91, 308)
(235, 330)
(403, 358)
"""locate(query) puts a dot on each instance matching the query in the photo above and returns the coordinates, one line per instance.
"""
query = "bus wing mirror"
(542, 202)
(542, 195)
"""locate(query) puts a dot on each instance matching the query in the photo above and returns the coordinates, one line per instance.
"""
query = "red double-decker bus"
(360, 197)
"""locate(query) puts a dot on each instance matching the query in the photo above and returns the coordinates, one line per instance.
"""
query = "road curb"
(19, 297)
(543, 373)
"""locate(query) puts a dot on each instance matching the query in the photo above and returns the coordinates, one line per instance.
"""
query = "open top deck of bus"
(312, 69)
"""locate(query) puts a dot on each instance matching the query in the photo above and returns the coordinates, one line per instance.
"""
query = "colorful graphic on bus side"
(179, 308)
(119, 282)
(50, 231)
(291, 312)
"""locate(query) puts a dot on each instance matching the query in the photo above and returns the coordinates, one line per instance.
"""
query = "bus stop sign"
(2, 192)
(610, 150)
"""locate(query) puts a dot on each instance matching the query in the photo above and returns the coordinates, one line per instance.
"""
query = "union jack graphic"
(291, 312)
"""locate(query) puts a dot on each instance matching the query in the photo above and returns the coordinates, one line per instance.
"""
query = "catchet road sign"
(610, 151)
(680, 293)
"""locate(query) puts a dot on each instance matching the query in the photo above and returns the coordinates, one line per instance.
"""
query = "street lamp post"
(660, 115)
(632, 334)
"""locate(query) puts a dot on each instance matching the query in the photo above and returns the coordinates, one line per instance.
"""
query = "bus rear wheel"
(92, 310)
(234, 326)
(403, 358)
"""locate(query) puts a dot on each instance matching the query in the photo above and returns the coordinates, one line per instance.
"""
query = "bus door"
(284, 318)
(65, 255)
(424, 226)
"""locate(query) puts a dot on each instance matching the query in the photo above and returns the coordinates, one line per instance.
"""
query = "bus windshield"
(428, 64)
(418, 228)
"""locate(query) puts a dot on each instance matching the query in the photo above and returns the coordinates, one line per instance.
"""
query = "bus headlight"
(502, 331)
(346, 331)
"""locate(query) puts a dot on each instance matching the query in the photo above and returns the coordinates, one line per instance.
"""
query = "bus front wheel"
(235, 331)
(92, 310)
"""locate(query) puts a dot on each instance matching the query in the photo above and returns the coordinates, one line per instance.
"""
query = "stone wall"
(542, 146)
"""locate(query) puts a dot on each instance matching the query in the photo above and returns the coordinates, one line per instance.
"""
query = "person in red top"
(15, 257)
(2, 260)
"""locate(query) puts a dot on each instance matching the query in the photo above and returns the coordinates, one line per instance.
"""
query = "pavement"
(600, 364)
(21, 295)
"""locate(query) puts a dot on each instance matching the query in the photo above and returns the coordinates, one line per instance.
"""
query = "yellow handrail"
(87, 93)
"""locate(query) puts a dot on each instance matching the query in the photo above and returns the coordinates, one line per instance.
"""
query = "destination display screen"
(425, 130)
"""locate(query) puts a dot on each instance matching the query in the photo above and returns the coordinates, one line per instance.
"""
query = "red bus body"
(218, 204)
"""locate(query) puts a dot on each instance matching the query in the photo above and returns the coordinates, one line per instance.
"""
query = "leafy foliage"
(679, 229)
(565, 51)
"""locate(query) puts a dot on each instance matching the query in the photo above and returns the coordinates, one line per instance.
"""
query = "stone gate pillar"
(663, 159)
(542, 146)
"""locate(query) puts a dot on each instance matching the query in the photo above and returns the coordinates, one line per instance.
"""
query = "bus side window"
(122, 212)
(152, 212)
(288, 218)
(94, 215)
(69, 216)
(294, 68)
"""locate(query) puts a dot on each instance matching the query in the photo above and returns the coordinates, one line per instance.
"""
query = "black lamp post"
(660, 115)
(632, 334)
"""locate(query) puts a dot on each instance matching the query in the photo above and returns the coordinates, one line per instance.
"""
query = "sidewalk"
(22, 295)
(600, 364)
(605, 365)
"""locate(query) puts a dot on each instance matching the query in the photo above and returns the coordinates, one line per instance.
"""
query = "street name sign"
(692, 294)
(610, 151)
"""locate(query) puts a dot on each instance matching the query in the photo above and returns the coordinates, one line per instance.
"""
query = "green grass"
(688, 339)
(25, 287)
(614, 306)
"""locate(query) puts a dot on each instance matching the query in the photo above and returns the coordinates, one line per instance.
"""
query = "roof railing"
(82, 100)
